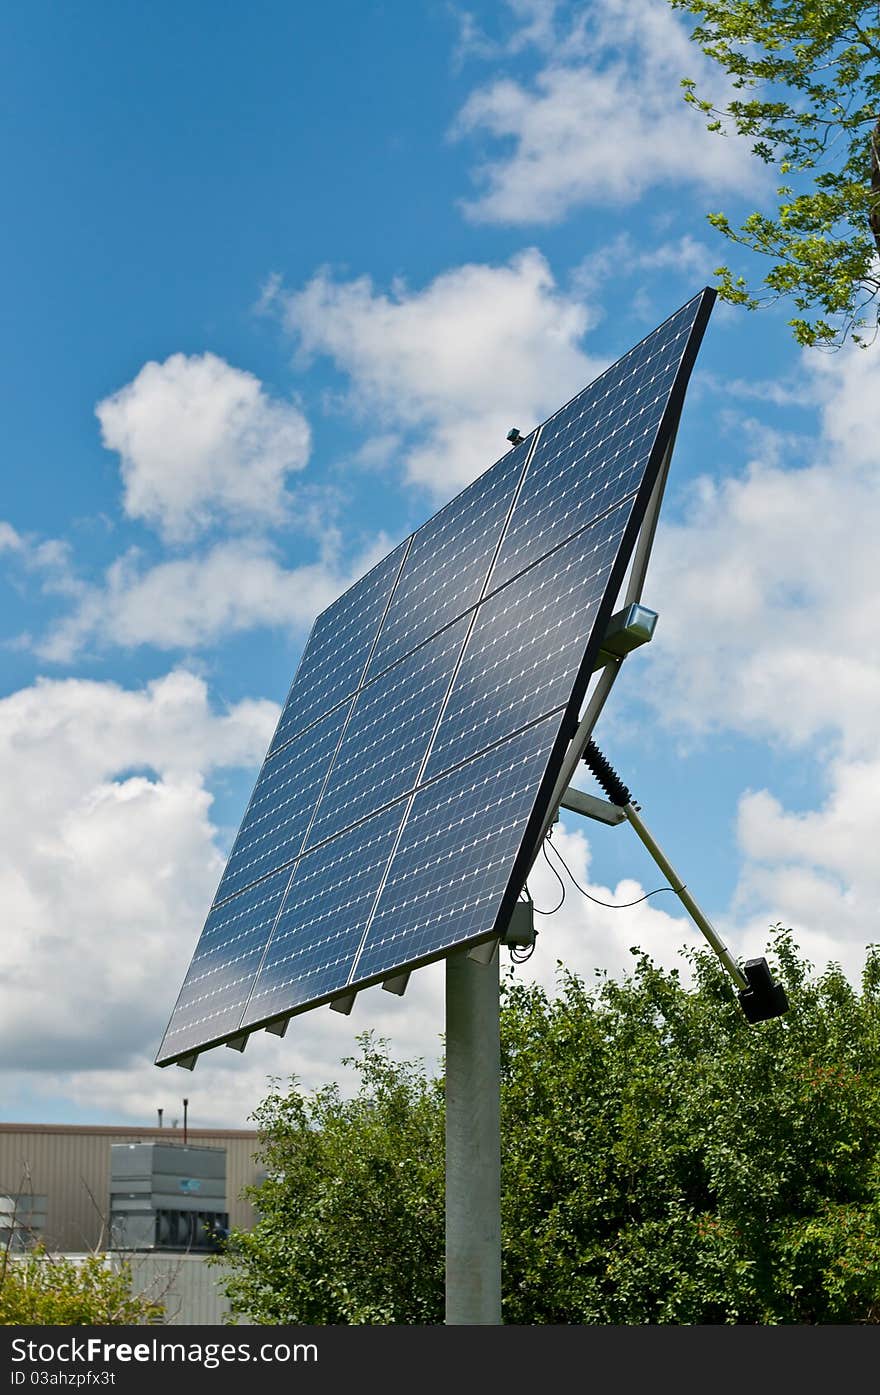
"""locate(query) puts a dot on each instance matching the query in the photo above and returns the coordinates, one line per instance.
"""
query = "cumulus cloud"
(189, 602)
(767, 604)
(49, 557)
(107, 856)
(822, 861)
(685, 256)
(10, 539)
(845, 386)
(600, 123)
(766, 591)
(226, 1086)
(199, 442)
(454, 365)
(535, 24)
(109, 859)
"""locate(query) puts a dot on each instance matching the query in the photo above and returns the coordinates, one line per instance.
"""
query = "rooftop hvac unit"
(167, 1196)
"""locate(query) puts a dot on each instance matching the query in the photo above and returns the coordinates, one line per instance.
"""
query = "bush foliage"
(662, 1162)
(40, 1290)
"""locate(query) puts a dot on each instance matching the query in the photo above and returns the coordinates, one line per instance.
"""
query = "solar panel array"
(392, 817)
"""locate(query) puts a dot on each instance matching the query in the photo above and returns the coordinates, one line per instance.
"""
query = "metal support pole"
(473, 1142)
(686, 899)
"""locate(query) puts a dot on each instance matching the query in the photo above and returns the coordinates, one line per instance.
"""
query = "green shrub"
(662, 1162)
(40, 1290)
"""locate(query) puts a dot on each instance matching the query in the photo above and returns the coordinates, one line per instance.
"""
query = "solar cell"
(282, 803)
(324, 914)
(447, 563)
(471, 820)
(409, 774)
(527, 643)
(593, 452)
(338, 648)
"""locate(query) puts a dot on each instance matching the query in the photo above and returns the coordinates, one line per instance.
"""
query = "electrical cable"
(520, 953)
(558, 878)
(609, 905)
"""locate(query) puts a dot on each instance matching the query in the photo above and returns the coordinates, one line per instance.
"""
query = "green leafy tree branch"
(809, 72)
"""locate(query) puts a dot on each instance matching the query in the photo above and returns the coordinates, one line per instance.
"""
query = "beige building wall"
(69, 1164)
(187, 1287)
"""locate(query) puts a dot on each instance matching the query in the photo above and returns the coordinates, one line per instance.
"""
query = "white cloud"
(622, 256)
(199, 442)
(820, 863)
(534, 24)
(226, 1086)
(766, 597)
(108, 863)
(115, 1064)
(10, 540)
(107, 859)
(845, 384)
(603, 121)
(49, 556)
(792, 391)
(827, 838)
(684, 254)
(190, 602)
(766, 593)
(588, 937)
(455, 365)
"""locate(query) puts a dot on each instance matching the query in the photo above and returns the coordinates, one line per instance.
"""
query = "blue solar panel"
(224, 966)
(592, 453)
(527, 644)
(282, 804)
(338, 648)
(324, 915)
(471, 820)
(386, 738)
(447, 563)
(396, 812)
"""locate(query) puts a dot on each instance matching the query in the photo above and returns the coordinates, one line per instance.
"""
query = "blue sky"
(278, 279)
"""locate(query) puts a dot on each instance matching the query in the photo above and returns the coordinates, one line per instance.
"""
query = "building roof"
(129, 1131)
